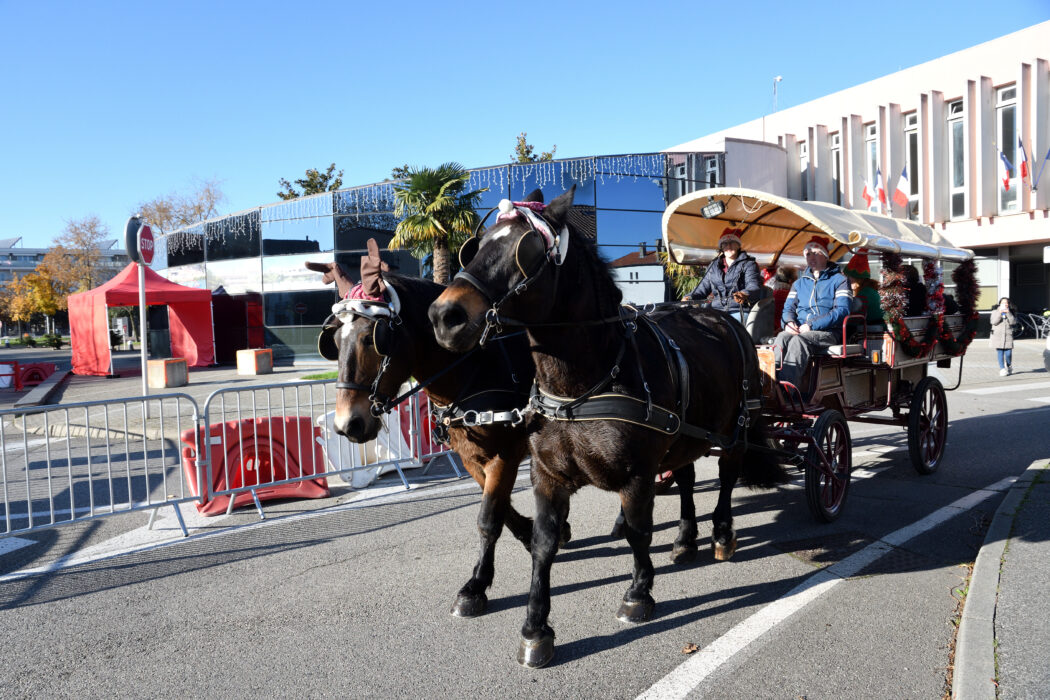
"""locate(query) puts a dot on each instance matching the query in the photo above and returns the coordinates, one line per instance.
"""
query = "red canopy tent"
(189, 319)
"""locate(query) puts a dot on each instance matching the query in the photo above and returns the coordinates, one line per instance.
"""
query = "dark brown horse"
(615, 401)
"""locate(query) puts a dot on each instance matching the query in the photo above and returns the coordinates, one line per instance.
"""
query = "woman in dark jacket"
(732, 279)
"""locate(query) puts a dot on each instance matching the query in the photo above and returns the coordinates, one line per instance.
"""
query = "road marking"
(1003, 389)
(12, 544)
(145, 540)
(688, 675)
(1041, 399)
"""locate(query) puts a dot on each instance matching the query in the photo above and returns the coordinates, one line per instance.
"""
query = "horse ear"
(558, 209)
(535, 196)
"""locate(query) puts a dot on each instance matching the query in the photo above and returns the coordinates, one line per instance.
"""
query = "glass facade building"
(254, 260)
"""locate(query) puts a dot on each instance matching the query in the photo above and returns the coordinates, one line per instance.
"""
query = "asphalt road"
(351, 599)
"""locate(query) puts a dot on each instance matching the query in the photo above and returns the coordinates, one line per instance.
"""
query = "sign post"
(138, 241)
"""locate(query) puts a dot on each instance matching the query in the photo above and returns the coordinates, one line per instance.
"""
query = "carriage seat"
(761, 320)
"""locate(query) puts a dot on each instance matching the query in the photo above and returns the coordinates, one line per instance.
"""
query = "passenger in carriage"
(816, 305)
(916, 291)
(779, 279)
(865, 290)
(732, 279)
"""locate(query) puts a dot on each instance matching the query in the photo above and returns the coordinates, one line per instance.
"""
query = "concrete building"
(948, 124)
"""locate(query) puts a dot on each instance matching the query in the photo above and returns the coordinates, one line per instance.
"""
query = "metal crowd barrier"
(77, 462)
(82, 461)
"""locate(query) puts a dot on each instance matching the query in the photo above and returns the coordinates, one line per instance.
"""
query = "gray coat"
(1002, 332)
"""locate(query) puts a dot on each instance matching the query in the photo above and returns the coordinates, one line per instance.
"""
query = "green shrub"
(28, 340)
(53, 340)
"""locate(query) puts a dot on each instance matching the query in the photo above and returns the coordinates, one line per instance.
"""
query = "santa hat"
(730, 235)
(858, 265)
(817, 243)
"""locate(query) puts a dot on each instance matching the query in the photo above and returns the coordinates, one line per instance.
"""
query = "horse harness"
(594, 405)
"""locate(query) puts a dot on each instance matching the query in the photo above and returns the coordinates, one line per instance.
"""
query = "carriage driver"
(816, 305)
(732, 278)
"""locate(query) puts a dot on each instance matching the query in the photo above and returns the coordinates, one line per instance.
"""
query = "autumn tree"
(175, 210)
(74, 261)
(315, 182)
(524, 152)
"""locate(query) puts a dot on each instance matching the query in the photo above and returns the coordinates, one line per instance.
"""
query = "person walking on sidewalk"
(1002, 319)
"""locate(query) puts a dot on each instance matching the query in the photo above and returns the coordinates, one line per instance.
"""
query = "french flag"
(880, 189)
(900, 195)
(1024, 159)
(1006, 168)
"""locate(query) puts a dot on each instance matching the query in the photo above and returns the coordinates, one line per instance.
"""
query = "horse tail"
(761, 468)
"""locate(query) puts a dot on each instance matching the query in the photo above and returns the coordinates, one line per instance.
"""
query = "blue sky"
(106, 105)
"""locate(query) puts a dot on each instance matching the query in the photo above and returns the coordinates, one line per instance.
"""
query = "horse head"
(363, 335)
(510, 269)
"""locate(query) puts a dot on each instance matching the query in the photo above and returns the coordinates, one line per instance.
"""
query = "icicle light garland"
(378, 199)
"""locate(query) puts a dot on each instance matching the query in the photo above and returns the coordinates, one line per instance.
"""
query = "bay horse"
(380, 345)
(617, 399)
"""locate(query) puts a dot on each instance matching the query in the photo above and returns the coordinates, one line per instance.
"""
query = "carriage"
(877, 373)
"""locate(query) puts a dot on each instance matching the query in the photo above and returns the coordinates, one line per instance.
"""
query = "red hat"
(767, 273)
(818, 243)
(730, 235)
(858, 265)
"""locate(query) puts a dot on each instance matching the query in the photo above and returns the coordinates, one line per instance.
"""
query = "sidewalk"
(1005, 631)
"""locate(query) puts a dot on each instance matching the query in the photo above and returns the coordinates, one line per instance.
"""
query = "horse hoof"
(724, 551)
(683, 553)
(536, 653)
(566, 534)
(470, 605)
(635, 611)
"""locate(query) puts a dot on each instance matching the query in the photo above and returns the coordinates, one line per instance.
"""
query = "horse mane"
(604, 288)
(416, 296)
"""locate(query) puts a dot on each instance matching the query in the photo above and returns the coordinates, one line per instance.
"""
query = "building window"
(911, 162)
(1006, 137)
(871, 155)
(803, 168)
(957, 160)
(711, 171)
(836, 168)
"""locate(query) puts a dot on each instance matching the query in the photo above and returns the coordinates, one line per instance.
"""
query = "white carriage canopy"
(775, 229)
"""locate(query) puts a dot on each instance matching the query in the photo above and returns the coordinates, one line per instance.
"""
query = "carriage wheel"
(826, 486)
(927, 425)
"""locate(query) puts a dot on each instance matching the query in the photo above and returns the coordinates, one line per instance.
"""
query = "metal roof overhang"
(776, 229)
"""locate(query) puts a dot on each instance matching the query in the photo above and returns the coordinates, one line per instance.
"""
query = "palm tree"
(436, 213)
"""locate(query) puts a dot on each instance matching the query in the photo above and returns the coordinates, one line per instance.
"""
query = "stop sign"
(145, 244)
(301, 308)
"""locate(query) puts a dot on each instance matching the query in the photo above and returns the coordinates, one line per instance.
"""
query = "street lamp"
(775, 81)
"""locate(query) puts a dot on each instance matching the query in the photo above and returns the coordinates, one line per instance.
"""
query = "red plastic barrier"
(257, 452)
(33, 373)
(10, 375)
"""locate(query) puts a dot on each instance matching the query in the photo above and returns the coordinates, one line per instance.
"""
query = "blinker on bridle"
(535, 249)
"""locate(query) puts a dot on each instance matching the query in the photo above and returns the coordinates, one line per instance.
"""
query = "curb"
(974, 675)
(42, 392)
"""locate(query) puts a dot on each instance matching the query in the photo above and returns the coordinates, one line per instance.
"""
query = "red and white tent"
(189, 319)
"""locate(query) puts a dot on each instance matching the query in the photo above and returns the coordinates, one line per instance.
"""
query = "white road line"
(1041, 399)
(1005, 389)
(144, 540)
(12, 544)
(685, 679)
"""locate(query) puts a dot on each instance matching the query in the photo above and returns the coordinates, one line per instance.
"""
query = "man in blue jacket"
(732, 279)
(816, 305)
